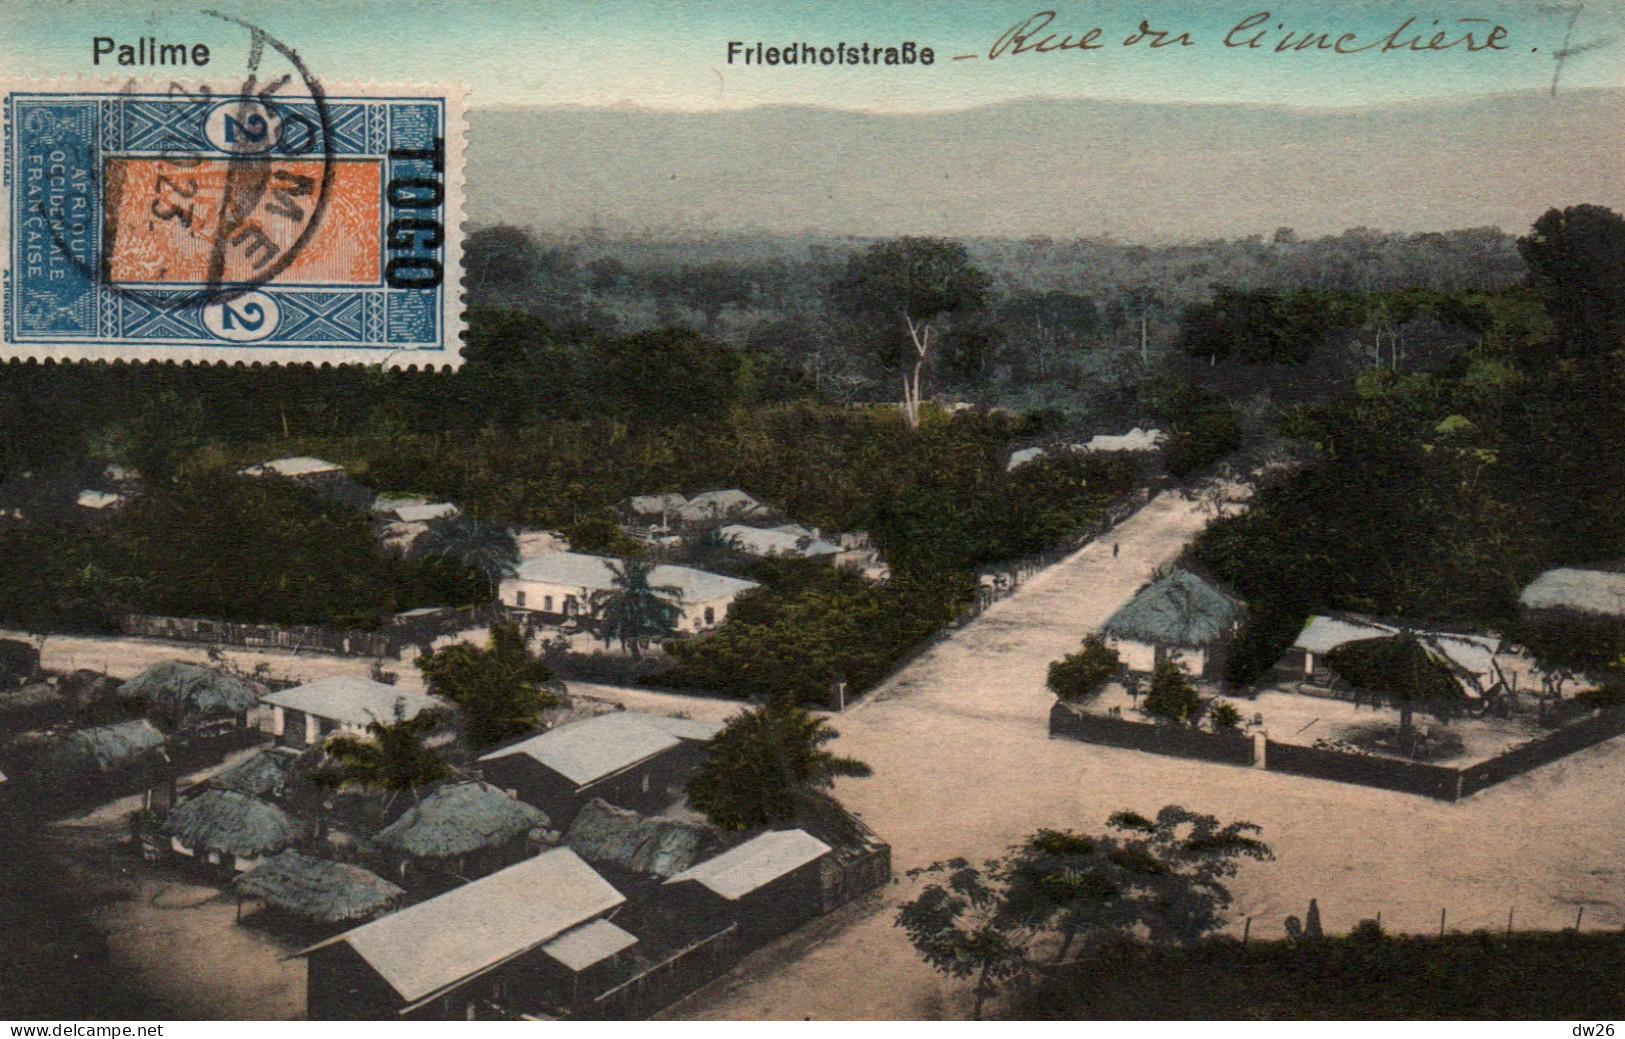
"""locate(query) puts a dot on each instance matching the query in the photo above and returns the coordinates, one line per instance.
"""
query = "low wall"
(293, 638)
(1408, 777)
(1587, 732)
(668, 981)
(1176, 740)
(847, 875)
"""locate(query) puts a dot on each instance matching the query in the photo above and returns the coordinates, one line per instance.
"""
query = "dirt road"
(963, 766)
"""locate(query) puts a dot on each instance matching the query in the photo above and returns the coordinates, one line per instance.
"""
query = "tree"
(1079, 676)
(1398, 669)
(500, 690)
(911, 284)
(1172, 696)
(633, 611)
(1576, 259)
(487, 547)
(499, 261)
(960, 929)
(392, 757)
(1159, 881)
(1224, 715)
(766, 765)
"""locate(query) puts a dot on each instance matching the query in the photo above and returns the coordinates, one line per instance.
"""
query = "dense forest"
(1455, 399)
(1435, 495)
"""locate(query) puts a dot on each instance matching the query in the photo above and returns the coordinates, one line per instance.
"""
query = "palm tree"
(633, 611)
(768, 766)
(392, 757)
(487, 547)
(1399, 670)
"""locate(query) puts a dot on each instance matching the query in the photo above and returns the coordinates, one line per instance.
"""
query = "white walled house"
(561, 585)
(308, 714)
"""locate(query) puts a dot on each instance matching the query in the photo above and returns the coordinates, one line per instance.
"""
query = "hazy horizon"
(1152, 172)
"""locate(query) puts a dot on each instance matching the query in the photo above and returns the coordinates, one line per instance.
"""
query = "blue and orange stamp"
(275, 222)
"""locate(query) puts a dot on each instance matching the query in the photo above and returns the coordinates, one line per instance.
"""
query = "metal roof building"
(758, 862)
(351, 701)
(593, 748)
(434, 947)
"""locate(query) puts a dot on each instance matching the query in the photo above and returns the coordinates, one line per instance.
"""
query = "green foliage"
(1172, 697)
(1396, 517)
(1080, 676)
(597, 533)
(501, 690)
(1200, 440)
(1204, 426)
(1396, 667)
(214, 544)
(1611, 694)
(958, 927)
(1224, 715)
(809, 627)
(633, 611)
(1536, 976)
(917, 277)
(1159, 880)
(1578, 641)
(489, 548)
(1576, 258)
(1261, 327)
(392, 758)
(768, 766)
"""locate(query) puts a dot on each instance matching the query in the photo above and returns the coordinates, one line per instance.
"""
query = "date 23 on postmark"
(276, 221)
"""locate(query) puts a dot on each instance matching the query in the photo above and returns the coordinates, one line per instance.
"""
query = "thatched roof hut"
(234, 823)
(655, 845)
(176, 687)
(109, 747)
(461, 818)
(1181, 609)
(264, 773)
(318, 889)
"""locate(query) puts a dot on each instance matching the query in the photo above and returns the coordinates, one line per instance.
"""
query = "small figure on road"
(1114, 550)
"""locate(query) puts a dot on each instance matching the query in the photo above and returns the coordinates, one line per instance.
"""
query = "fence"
(294, 638)
(667, 981)
(1364, 769)
(853, 871)
(1176, 740)
(1411, 777)
(1001, 582)
(1587, 732)
(388, 641)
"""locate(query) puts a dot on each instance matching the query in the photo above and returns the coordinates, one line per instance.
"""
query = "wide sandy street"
(963, 766)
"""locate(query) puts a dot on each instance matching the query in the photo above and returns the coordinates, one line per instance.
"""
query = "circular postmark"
(222, 199)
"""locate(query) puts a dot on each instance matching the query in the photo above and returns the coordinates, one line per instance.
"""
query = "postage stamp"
(274, 222)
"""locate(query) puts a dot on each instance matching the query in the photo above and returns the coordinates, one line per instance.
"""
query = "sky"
(672, 56)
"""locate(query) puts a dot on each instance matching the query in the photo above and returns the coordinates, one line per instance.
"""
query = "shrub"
(1610, 695)
(1080, 676)
(1172, 696)
(1224, 715)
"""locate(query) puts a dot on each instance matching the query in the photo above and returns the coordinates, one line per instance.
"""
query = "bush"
(1080, 676)
(1172, 696)
(1610, 695)
(1224, 715)
(1206, 437)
